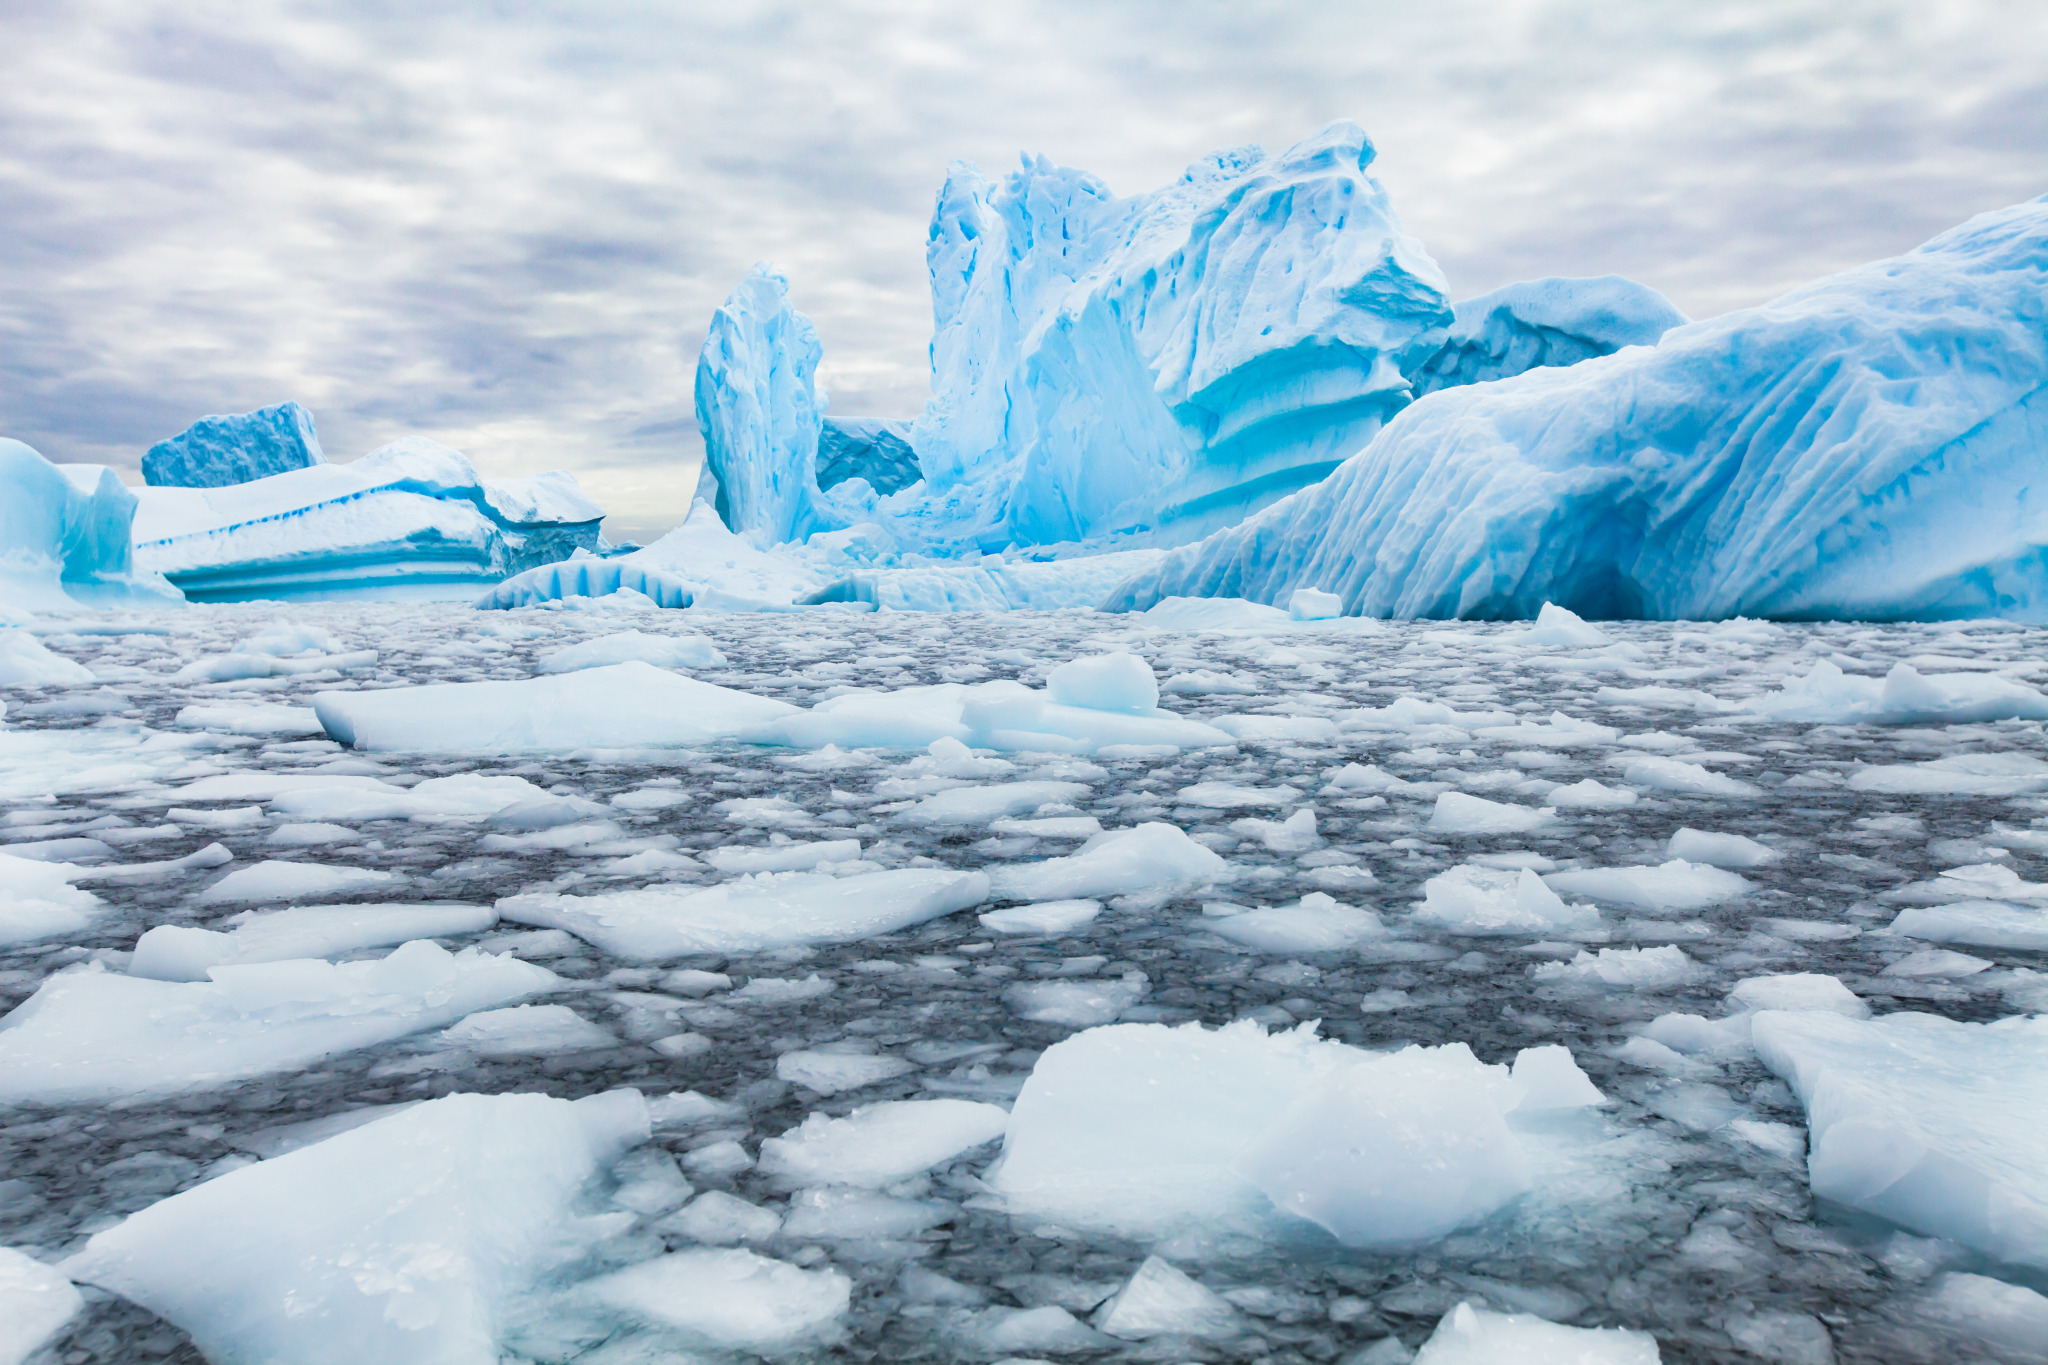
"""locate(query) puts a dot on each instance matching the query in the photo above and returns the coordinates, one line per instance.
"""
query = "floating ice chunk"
(1470, 899)
(1931, 1124)
(1050, 827)
(879, 1144)
(1548, 1078)
(728, 1299)
(1783, 1338)
(780, 990)
(283, 639)
(1979, 924)
(794, 857)
(1017, 1334)
(843, 1215)
(1801, 991)
(1075, 1004)
(1936, 962)
(90, 1034)
(1278, 729)
(1559, 732)
(175, 953)
(2001, 774)
(526, 1031)
(1045, 917)
(38, 901)
(2007, 1317)
(1295, 834)
(1354, 778)
(1648, 969)
(1105, 682)
(1473, 1336)
(1977, 880)
(1674, 886)
(1588, 794)
(662, 651)
(1207, 682)
(716, 1218)
(980, 805)
(404, 1241)
(1555, 627)
(625, 705)
(1394, 1150)
(26, 661)
(1688, 779)
(649, 1182)
(1230, 796)
(1004, 716)
(828, 1073)
(1159, 1301)
(1719, 850)
(1831, 697)
(273, 880)
(234, 667)
(768, 910)
(35, 1301)
(132, 874)
(1458, 813)
(1010, 716)
(250, 718)
(1313, 604)
(1314, 924)
(1151, 857)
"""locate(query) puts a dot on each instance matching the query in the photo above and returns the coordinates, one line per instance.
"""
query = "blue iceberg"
(870, 448)
(216, 452)
(409, 520)
(65, 537)
(1555, 321)
(1864, 447)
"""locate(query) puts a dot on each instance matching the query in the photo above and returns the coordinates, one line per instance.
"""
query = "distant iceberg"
(215, 452)
(1864, 447)
(64, 536)
(410, 519)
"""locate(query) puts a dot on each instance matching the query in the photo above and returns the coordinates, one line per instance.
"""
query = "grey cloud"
(506, 225)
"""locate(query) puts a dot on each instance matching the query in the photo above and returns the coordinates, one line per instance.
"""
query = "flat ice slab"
(1473, 1336)
(766, 910)
(403, 1241)
(173, 952)
(90, 1034)
(1932, 1124)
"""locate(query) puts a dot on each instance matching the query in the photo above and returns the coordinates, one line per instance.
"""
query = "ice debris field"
(1283, 818)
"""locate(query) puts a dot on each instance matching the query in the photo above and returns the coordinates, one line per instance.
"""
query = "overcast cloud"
(505, 226)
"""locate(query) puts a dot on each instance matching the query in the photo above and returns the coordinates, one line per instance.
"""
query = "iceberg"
(1552, 321)
(65, 537)
(215, 452)
(870, 448)
(408, 1240)
(408, 520)
(1863, 447)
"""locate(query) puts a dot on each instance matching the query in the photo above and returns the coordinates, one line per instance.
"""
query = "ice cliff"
(215, 452)
(409, 519)
(1552, 321)
(64, 536)
(1865, 446)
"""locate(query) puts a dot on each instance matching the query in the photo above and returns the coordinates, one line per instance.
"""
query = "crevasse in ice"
(215, 452)
(411, 518)
(1864, 446)
(64, 536)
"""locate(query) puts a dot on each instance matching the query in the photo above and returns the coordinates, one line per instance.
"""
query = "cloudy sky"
(505, 225)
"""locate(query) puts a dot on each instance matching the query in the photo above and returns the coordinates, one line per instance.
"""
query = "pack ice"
(1861, 447)
(409, 519)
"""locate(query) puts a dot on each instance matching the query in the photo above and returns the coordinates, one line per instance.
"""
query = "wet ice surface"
(1695, 1224)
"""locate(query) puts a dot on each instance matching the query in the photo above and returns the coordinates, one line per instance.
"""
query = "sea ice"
(752, 913)
(35, 1300)
(171, 952)
(663, 651)
(1473, 1336)
(1314, 924)
(26, 661)
(1926, 1122)
(624, 705)
(729, 1299)
(1044, 917)
(1828, 696)
(1458, 813)
(1675, 886)
(1160, 1300)
(274, 880)
(1151, 857)
(879, 1144)
(1732, 851)
(828, 1073)
(1977, 923)
(526, 1030)
(89, 1034)
(1471, 899)
(404, 1241)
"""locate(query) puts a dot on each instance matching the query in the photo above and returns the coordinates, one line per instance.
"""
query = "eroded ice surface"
(1889, 867)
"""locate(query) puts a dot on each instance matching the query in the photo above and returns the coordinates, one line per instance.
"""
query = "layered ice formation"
(1862, 447)
(215, 452)
(65, 537)
(1536, 323)
(410, 519)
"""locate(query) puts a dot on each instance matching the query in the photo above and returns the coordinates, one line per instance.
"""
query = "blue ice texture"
(1865, 447)
(215, 452)
(65, 537)
(1554, 321)
(872, 448)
